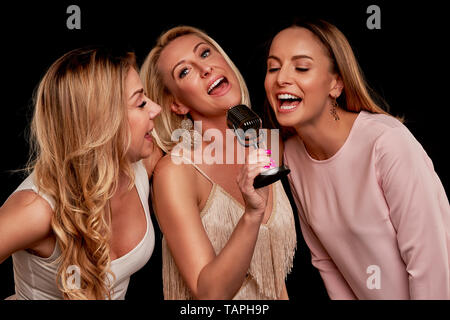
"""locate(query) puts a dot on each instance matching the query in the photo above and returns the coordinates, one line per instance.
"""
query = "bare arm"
(207, 276)
(24, 221)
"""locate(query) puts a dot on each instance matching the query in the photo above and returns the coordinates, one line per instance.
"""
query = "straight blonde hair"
(152, 79)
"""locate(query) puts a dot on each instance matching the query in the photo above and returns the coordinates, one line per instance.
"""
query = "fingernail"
(272, 163)
(268, 151)
(266, 167)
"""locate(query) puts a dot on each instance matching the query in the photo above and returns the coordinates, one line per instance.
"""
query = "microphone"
(246, 125)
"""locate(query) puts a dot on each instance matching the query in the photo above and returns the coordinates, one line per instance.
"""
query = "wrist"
(253, 215)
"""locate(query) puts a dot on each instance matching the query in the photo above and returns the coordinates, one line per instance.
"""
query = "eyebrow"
(141, 90)
(300, 56)
(182, 61)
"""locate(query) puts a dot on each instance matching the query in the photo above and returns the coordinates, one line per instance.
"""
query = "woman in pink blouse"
(372, 209)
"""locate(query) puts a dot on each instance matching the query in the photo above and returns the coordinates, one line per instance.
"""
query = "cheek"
(318, 82)
(136, 127)
(268, 83)
(188, 93)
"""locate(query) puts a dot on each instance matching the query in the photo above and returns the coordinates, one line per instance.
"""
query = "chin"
(235, 98)
(293, 119)
(145, 154)
(137, 156)
(287, 120)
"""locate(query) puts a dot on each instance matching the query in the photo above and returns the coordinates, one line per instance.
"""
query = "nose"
(155, 109)
(205, 70)
(283, 77)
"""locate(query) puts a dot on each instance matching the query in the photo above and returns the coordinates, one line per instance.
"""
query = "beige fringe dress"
(274, 250)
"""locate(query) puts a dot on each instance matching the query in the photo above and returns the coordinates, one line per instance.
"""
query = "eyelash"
(184, 72)
(270, 70)
(142, 105)
(205, 51)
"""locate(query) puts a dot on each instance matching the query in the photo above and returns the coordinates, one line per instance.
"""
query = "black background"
(405, 62)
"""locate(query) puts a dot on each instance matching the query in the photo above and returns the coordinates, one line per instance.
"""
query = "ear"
(179, 108)
(336, 87)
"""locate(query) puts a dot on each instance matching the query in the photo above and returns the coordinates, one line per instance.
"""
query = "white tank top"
(35, 277)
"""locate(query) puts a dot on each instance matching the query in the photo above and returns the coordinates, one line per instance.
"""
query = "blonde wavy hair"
(79, 139)
(357, 94)
(157, 91)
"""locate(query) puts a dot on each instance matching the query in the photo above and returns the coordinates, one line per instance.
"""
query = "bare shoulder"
(174, 189)
(29, 208)
(25, 220)
(173, 171)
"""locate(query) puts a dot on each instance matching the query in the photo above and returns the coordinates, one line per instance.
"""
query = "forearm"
(335, 284)
(224, 275)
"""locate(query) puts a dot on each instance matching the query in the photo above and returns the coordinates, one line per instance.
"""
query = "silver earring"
(186, 124)
(191, 137)
(333, 109)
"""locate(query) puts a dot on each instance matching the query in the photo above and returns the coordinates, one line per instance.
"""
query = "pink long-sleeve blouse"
(375, 215)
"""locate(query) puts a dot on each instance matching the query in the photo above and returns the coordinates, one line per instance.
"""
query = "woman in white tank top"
(79, 225)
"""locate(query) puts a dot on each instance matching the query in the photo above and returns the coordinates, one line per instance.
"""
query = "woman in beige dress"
(222, 238)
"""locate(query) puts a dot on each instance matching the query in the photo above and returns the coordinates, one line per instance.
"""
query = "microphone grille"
(242, 117)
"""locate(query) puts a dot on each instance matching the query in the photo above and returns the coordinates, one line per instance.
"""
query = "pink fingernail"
(266, 167)
(268, 151)
(272, 163)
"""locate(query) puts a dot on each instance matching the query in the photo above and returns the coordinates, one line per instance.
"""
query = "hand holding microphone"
(255, 199)
(246, 125)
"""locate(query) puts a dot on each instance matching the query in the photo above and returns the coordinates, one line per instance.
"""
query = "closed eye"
(142, 104)
(272, 69)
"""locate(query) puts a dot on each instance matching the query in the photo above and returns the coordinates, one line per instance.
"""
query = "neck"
(324, 136)
(122, 185)
(221, 136)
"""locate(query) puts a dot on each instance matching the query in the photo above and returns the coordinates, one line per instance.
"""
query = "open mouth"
(148, 135)
(288, 101)
(218, 87)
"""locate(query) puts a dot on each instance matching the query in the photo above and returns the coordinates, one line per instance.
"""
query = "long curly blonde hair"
(79, 138)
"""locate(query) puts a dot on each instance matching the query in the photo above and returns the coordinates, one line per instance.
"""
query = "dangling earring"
(333, 111)
(191, 137)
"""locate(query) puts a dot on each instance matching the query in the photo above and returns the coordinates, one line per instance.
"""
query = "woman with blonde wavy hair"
(79, 225)
(371, 207)
(222, 238)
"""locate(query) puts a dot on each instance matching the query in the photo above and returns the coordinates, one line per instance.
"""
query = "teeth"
(287, 107)
(214, 84)
(286, 96)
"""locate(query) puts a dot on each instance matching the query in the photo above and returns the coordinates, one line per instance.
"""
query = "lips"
(219, 86)
(148, 135)
(288, 102)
